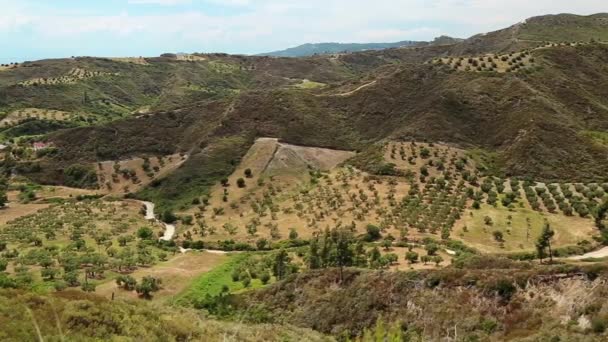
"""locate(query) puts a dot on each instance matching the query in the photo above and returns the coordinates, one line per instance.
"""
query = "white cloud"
(159, 2)
(259, 25)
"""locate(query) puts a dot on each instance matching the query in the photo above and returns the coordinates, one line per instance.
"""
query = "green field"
(569, 230)
(212, 282)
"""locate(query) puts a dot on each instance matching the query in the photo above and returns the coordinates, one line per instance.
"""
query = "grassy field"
(307, 84)
(597, 136)
(212, 282)
(520, 228)
(176, 274)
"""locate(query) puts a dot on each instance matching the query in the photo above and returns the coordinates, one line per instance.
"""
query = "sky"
(37, 29)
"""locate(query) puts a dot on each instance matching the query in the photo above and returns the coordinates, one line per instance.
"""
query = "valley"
(453, 190)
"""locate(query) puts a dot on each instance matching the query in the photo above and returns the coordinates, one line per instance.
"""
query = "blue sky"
(36, 29)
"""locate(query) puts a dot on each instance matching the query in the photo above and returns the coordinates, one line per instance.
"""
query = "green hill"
(532, 119)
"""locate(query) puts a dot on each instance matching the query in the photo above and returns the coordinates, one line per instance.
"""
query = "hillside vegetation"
(454, 190)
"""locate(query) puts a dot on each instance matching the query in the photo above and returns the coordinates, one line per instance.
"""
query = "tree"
(387, 243)
(145, 233)
(148, 285)
(431, 249)
(126, 282)
(314, 261)
(374, 258)
(49, 273)
(246, 281)
(261, 244)
(240, 183)
(265, 277)
(544, 242)
(3, 264)
(392, 258)
(437, 259)
(488, 220)
(280, 264)
(425, 153)
(411, 257)
(344, 254)
(373, 233)
(71, 278)
(224, 182)
(248, 173)
(293, 234)
(168, 216)
(3, 198)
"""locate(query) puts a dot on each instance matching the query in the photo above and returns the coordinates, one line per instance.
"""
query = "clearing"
(176, 274)
(520, 228)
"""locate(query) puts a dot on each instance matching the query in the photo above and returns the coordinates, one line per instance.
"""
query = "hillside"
(309, 49)
(503, 301)
(77, 316)
(538, 31)
(544, 121)
(372, 195)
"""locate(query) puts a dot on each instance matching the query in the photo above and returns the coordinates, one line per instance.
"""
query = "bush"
(372, 233)
(145, 233)
(80, 176)
(168, 217)
(598, 324)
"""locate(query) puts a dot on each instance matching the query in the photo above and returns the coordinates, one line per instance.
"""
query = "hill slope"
(330, 48)
(537, 122)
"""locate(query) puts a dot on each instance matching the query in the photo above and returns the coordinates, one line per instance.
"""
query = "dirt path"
(357, 89)
(600, 253)
(348, 93)
(169, 228)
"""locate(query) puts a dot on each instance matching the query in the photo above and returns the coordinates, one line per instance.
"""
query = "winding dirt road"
(170, 229)
(600, 253)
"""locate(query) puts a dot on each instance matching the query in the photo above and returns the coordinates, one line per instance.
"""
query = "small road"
(600, 253)
(349, 92)
(170, 229)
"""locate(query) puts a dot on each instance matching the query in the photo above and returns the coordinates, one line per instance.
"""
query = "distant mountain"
(328, 48)
(446, 40)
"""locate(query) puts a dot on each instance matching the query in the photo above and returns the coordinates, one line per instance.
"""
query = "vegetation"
(428, 193)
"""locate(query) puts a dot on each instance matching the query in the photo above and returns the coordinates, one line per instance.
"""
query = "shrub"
(80, 176)
(248, 173)
(372, 233)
